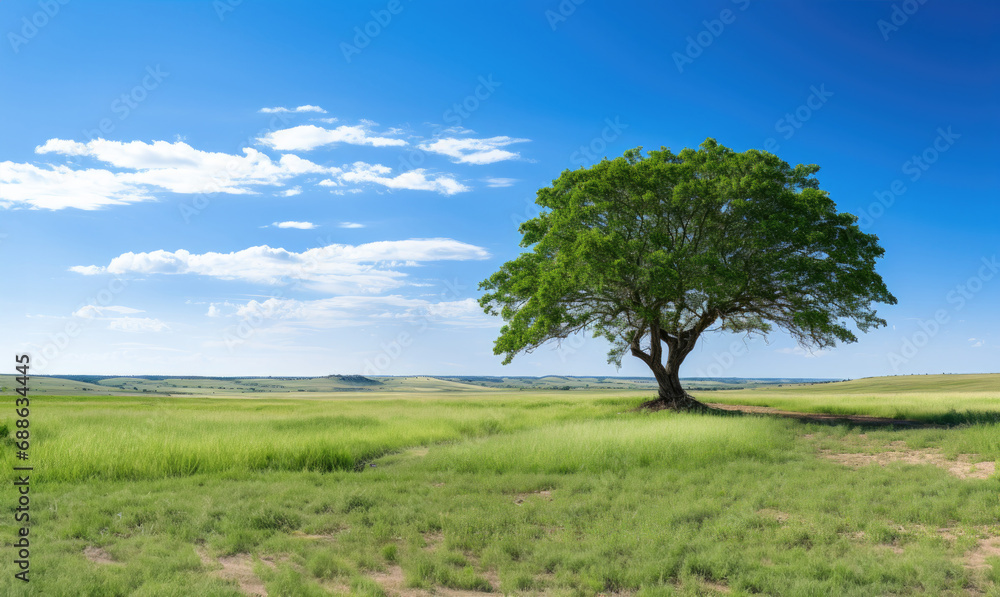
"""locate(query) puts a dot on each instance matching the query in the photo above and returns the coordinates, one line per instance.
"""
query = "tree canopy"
(652, 251)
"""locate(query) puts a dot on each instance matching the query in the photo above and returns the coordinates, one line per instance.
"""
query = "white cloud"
(454, 130)
(94, 311)
(299, 225)
(345, 311)
(474, 151)
(282, 110)
(499, 182)
(454, 309)
(59, 187)
(351, 225)
(309, 136)
(112, 314)
(87, 270)
(137, 324)
(136, 170)
(213, 311)
(417, 179)
(177, 167)
(341, 269)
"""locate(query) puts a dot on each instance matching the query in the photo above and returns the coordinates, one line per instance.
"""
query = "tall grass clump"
(678, 441)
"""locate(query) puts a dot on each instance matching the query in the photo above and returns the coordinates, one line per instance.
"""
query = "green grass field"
(946, 399)
(512, 492)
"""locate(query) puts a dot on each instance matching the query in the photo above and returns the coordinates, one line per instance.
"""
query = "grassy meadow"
(447, 492)
(944, 399)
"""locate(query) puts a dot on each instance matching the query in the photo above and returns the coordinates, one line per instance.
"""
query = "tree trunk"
(671, 394)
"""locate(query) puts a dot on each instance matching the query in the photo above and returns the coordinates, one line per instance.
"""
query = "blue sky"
(306, 188)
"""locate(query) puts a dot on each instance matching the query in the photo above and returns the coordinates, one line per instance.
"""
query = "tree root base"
(682, 403)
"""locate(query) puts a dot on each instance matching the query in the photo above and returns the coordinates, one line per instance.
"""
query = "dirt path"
(824, 418)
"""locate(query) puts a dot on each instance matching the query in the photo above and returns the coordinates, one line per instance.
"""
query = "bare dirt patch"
(239, 569)
(975, 559)
(393, 582)
(313, 537)
(893, 547)
(98, 555)
(859, 536)
(433, 540)
(203, 556)
(717, 587)
(964, 467)
(777, 515)
(701, 586)
(545, 494)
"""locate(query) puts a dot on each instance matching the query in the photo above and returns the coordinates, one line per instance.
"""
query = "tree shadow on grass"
(952, 418)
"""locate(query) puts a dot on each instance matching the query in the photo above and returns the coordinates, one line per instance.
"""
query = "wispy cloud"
(346, 311)
(474, 151)
(170, 166)
(299, 225)
(137, 324)
(309, 136)
(351, 225)
(499, 182)
(282, 110)
(94, 311)
(113, 314)
(342, 269)
(417, 179)
(133, 171)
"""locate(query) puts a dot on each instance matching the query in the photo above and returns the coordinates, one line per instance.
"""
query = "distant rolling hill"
(171, 385)
(969, 382)
(165, 385)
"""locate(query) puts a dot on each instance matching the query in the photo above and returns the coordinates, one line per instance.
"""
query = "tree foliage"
(655, 250)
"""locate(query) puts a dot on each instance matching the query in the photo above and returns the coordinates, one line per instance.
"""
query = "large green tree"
(650, 252)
